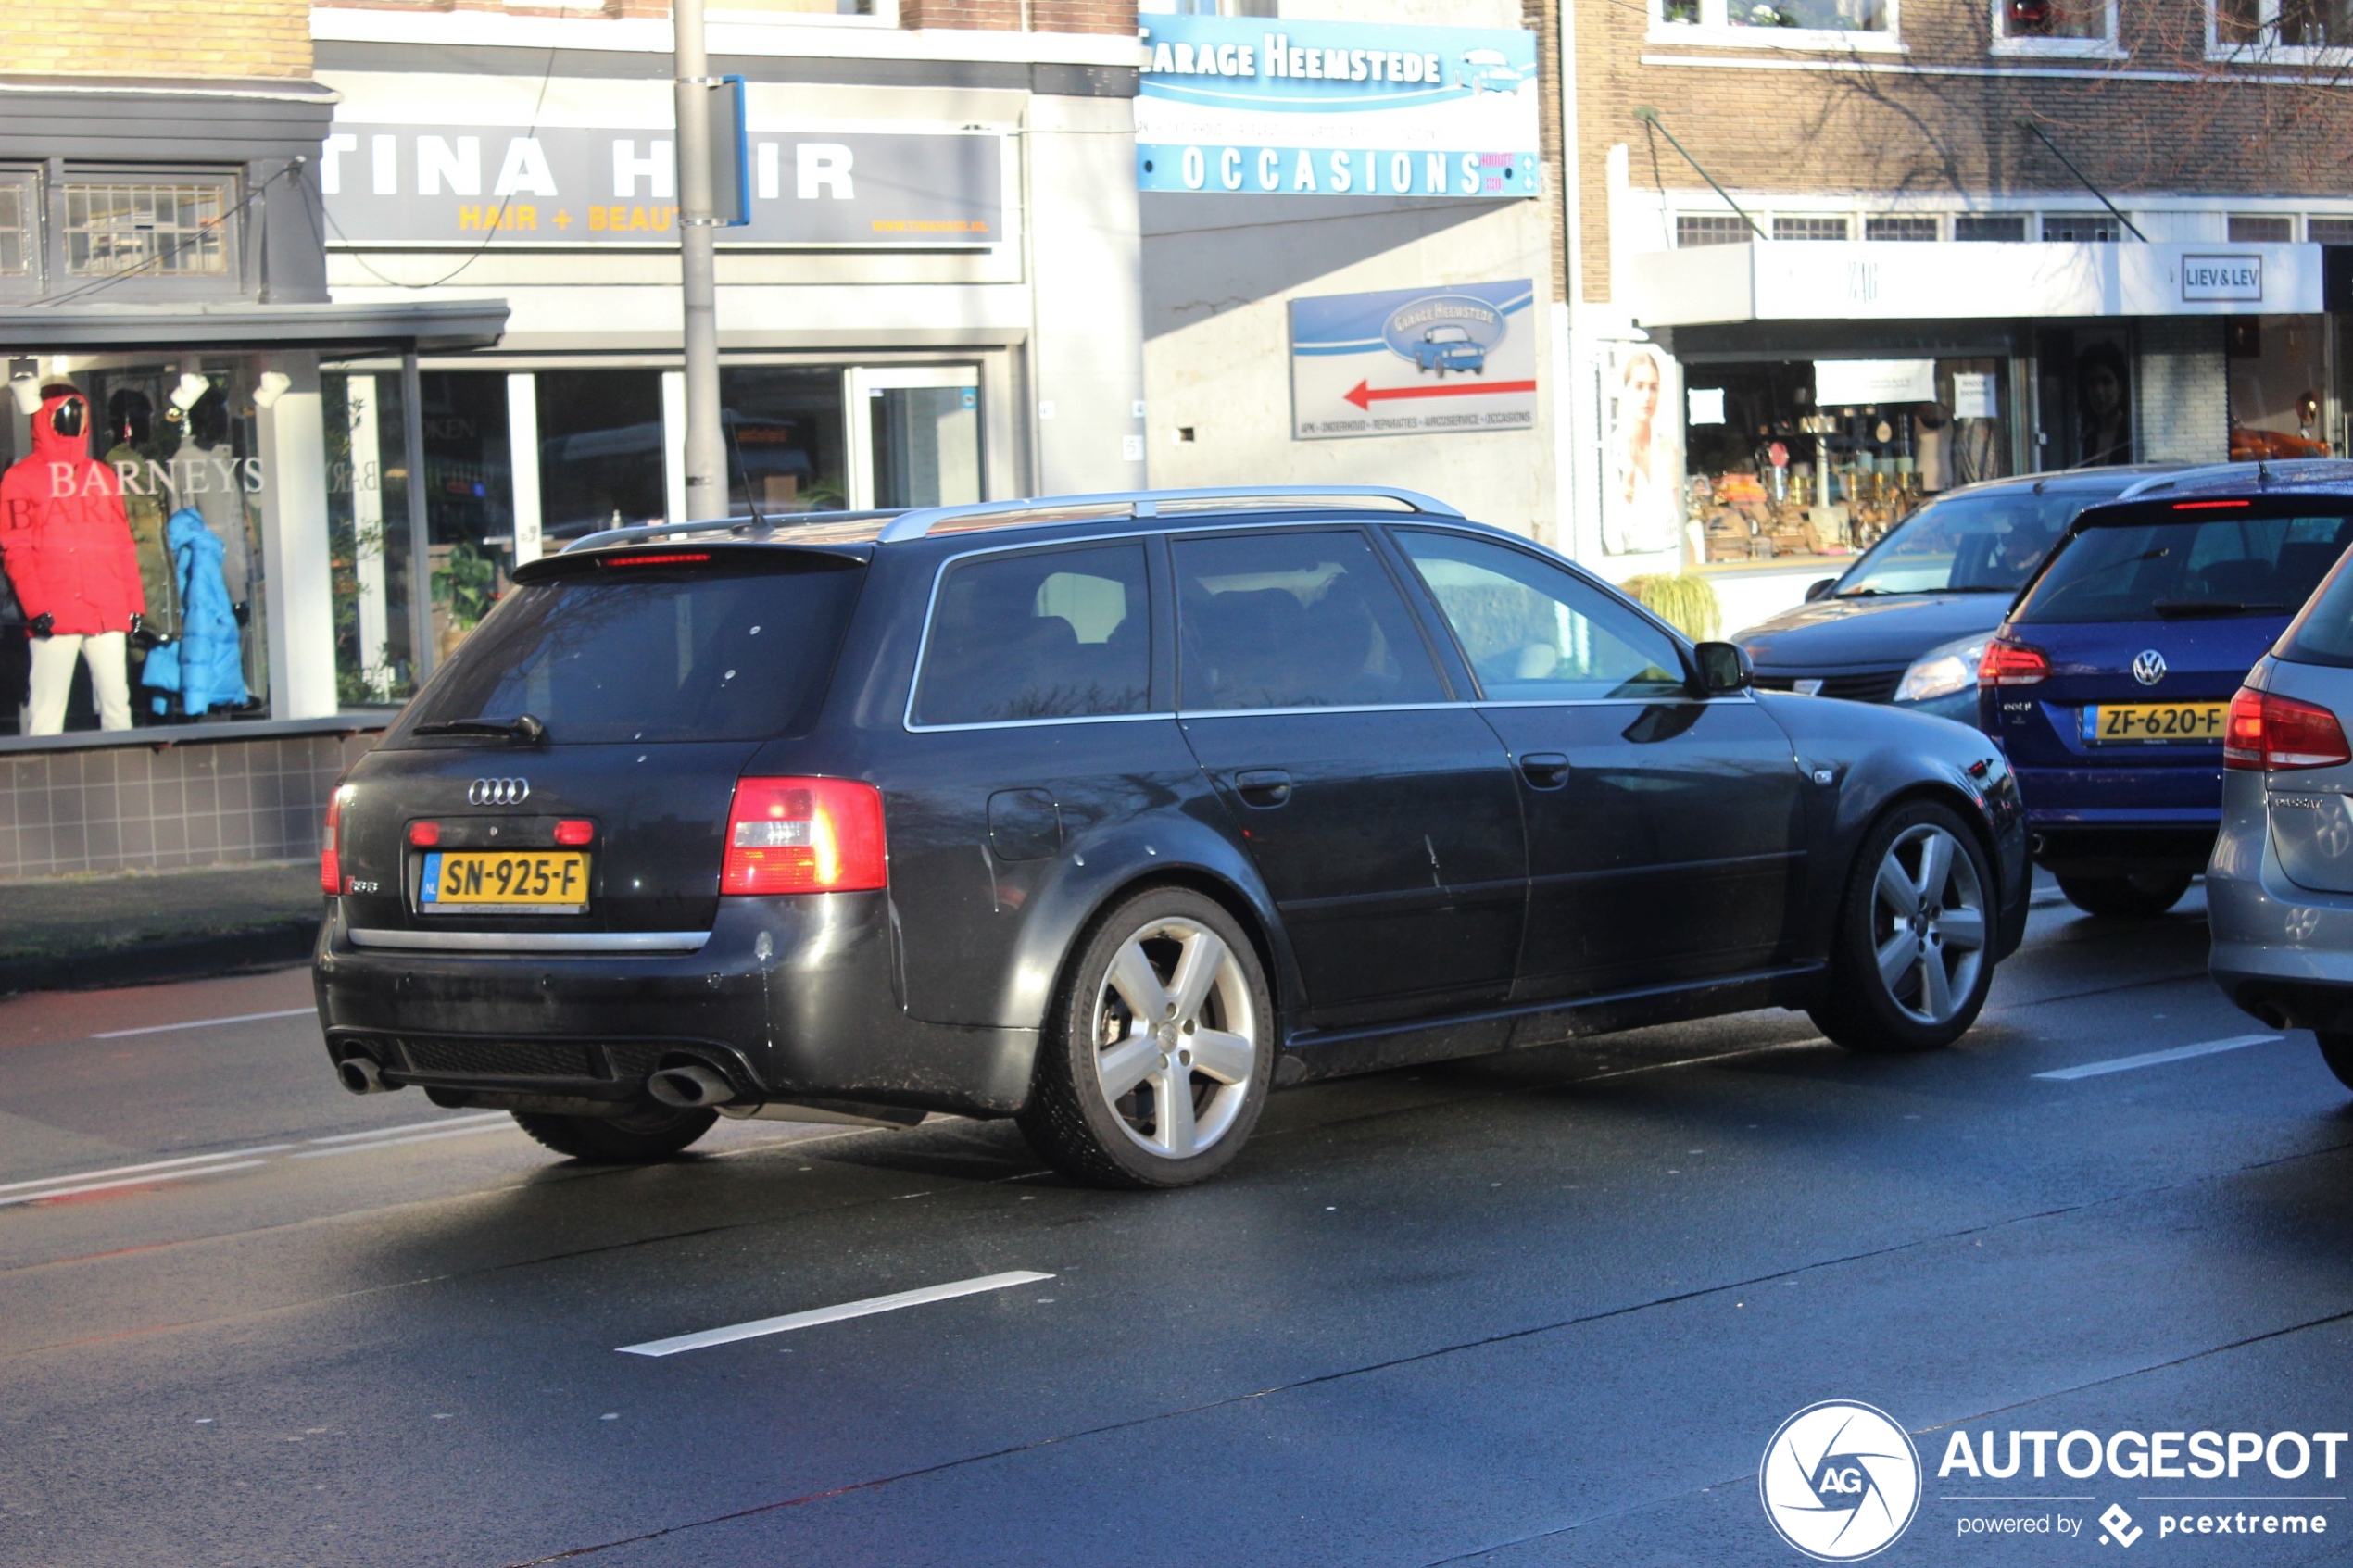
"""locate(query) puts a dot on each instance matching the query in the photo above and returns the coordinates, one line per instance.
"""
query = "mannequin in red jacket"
(65, 543)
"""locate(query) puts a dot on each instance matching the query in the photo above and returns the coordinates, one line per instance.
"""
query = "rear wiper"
(521, 727)
(2175, 608)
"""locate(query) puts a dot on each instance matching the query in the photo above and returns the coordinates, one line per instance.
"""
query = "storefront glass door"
(914, 435)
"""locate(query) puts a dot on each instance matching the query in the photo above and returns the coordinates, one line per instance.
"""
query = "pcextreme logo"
(1840, 1481)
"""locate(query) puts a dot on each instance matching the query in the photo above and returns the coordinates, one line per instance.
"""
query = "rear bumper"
(791, 997)
(2281, 952)
(2073, 848)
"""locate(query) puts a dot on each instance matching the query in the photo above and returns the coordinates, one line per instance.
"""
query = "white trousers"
(53, 661)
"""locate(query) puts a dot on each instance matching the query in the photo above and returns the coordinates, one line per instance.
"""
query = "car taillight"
(572, 832)
(804, 836)
(331, 844)
(2012, 664)
(2267, 732)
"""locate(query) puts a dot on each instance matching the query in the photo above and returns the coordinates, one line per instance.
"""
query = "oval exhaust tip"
(689, 1087)
(361, 1075)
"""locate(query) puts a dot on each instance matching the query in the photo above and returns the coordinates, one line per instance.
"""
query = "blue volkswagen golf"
(2109, 683)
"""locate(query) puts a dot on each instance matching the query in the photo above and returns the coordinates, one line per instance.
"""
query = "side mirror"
(1820, 590)
(1723, 668)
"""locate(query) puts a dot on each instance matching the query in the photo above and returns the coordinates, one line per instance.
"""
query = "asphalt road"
(1546, 1309)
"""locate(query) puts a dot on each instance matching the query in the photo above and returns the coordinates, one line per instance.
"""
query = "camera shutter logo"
(1841, 1481)
(2148, 666)
(497, 792)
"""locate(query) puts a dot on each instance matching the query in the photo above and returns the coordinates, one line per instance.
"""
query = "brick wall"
(2182, 390)
(1083, 16)
(993, 16)
(164, 38)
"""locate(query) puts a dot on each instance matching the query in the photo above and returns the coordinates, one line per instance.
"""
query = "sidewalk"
(130, 928)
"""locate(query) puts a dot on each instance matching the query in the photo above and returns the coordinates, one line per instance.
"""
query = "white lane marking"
(399, 1143)
(2156, 1059)
(205, 1022)
(152, 1165)
(408, 1127)
(867, 1308)
(130, 1182)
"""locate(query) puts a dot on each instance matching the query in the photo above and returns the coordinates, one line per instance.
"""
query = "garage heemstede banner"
(1460, 356)
(1267, 108)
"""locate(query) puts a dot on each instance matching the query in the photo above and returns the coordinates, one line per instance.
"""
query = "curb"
(277, 945)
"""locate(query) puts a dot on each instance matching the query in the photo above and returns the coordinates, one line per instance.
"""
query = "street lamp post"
(698, 226)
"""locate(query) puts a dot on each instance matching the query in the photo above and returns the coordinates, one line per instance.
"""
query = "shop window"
(1805, 24)
(470, 507)
(2281, 28)
(600, 451)
(785, 451)
(2278, 370)
(1809, 227)
(1900, 227)
(1996, 227)
(922, 441)
(368, 537)
(1694, 229)
(158, 228)
(2053, 27)
(2081, 228)
(2329, 231)
(2253, 229)
(20, 236)
(2086, 419)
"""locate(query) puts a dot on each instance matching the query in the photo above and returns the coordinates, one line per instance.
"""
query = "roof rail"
(755, 528)
(1147, 503)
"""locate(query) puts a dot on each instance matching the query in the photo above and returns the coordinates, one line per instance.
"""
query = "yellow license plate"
(2155, 721)
(453, 882)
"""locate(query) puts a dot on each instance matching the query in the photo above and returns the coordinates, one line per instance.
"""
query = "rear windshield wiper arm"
(521, 727)
(2173, 608)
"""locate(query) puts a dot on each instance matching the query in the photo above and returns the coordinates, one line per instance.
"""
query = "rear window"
(1055, 634)
(1986, 543)
(655, 653)
(2323, 633)
(2166, 562)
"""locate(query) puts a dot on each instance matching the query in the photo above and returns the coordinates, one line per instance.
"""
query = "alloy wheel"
(1175, 1038)
(1928, 923)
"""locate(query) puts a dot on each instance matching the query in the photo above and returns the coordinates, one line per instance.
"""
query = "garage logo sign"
(1841, 1481)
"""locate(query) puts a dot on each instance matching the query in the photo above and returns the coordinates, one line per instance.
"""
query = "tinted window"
(1060, 635)
(654, 653)
(1296, 620)
(2323, 633)
(1984, 542)
(2172, 568)
(1536, 633)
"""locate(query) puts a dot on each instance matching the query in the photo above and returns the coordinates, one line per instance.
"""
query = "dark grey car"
(1112, 814)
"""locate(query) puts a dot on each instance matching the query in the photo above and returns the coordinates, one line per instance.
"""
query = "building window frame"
(2037, 46)
(141, 280)
(1708, 22)
(2265, 49)
(33, 211)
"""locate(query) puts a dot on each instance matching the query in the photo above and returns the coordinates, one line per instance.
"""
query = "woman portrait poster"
(1639, 503)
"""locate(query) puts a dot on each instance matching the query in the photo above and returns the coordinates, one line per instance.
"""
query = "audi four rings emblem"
(2148, 666)
(497, 792)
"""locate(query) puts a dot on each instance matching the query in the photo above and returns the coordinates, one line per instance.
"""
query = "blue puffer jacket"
(205, 665)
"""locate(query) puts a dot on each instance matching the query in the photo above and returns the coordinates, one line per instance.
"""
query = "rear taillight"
(2012, 664)
(804, 836)
(331, 844)
(2267, 731)
(573, 832)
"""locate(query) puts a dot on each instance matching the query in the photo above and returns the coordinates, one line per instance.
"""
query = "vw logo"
(2148, 666)
(497, 792)
(1841, 1481)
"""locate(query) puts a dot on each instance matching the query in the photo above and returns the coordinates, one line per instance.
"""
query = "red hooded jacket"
(65, 540)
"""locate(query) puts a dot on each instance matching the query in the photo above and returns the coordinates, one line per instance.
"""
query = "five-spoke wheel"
(1911, 959)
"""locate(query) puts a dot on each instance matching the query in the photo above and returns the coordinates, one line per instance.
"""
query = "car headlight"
(1943, 670)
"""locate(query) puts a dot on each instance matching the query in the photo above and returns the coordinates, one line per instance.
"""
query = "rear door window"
(1052, 634)
(1297, 619)
(728, 646)
(2162, 563)
(1533, 633)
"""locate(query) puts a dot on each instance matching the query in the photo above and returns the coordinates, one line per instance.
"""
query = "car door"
(1379, 811)
(1665, 831)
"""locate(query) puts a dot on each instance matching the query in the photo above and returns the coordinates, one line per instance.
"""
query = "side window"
(1296, 620)
(1058, 635)
(1536, 633)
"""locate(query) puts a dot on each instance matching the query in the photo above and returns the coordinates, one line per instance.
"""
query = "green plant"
(1683, 601)
(464, 584)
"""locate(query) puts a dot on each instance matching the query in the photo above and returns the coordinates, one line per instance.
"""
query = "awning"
(421, 326)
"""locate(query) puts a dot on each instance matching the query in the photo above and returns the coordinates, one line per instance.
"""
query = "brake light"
(2269, 732)
(804, 836)
(2006, 663)
(676, 557)
(424, 835)
(331, 844)
(2209, 505)
(574, 831)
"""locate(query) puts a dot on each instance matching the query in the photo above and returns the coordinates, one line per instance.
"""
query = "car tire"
(641, 1137)
(1107, 1068)
(2337, 1051)
(2142, 896)
(1911, 958)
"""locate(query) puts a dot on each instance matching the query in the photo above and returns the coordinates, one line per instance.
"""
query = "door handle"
(1262, 787)
(1544, 769)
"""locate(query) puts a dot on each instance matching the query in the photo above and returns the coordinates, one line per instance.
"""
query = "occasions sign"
(1454, 358)
(565, 185)
(1232, 104)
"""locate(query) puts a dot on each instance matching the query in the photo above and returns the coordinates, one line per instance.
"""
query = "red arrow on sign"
(1365, 394)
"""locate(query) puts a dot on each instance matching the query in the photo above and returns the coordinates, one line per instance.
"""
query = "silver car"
(2279, 889)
